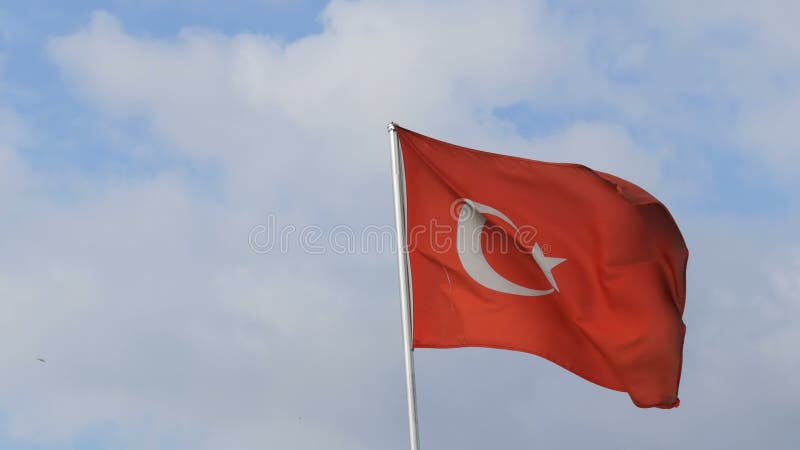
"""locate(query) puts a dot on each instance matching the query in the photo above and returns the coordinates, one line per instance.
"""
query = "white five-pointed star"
(546, 263)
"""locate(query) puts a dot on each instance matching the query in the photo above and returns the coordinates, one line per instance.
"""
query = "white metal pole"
(405, 291)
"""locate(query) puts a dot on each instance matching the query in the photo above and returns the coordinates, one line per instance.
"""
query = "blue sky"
(75, 138)
(33, 86)
(140, 142)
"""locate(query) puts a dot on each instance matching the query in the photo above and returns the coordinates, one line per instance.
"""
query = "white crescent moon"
(470, 252)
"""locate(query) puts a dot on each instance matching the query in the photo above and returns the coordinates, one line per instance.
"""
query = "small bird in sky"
(40, 359)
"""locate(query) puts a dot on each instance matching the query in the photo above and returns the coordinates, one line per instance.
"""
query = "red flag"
(577, 266)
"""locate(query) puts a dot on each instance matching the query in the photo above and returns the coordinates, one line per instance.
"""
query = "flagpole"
(405, 291)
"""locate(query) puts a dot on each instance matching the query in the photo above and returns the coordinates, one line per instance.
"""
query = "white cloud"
(602, 147)
(13, 174)
(264, 109)
(151, 312)
(749, 54)
(771, 130)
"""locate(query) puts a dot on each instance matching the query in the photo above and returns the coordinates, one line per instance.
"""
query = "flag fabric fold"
(577, 266)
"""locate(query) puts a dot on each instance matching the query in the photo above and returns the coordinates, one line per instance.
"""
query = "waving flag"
(574, 265)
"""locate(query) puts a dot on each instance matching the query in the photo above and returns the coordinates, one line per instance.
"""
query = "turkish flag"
(574, 265)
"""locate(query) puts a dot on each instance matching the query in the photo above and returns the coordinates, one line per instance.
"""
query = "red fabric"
(616, 317)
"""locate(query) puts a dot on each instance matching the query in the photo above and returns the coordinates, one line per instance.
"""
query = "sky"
(143, 142)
